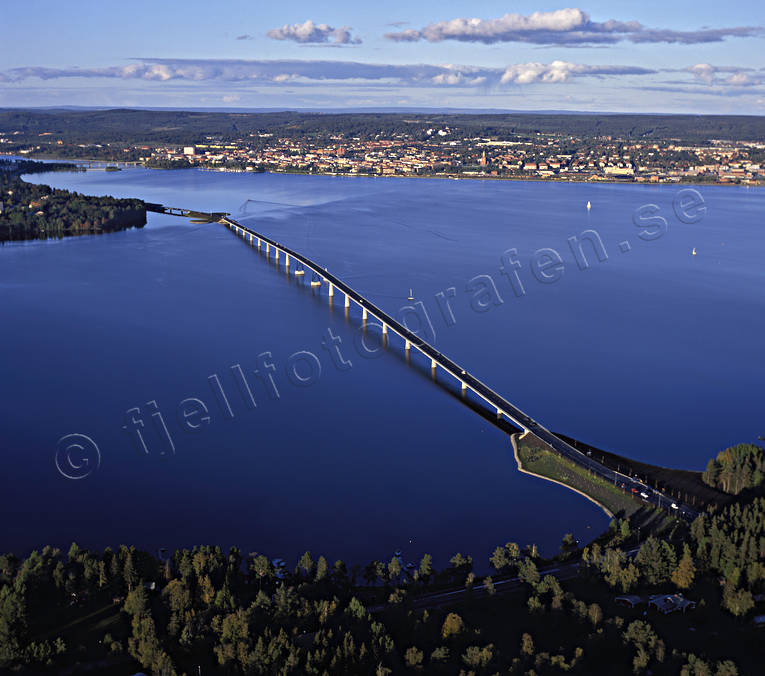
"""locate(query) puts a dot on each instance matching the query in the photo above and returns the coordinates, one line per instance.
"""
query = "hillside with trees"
(30, 211)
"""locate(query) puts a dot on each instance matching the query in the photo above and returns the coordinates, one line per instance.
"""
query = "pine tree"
(322, 568)
(452, 626)
(527, 645)
(683, 575)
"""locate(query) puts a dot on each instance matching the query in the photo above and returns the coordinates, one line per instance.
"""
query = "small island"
(30, 211)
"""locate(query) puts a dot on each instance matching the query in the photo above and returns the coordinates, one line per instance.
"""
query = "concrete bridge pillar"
(433, 364)
(363, 314)
(268, 248)
(331, 290)
(277, 254)
(347, 301)
(407, 346)
(286, 260)
(258, 243)
(499, 413)
(385, 329)
(463, 385)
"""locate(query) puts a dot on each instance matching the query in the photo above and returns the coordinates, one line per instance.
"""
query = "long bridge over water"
(504, 409)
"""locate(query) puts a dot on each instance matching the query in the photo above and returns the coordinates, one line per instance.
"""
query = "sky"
(649, 56)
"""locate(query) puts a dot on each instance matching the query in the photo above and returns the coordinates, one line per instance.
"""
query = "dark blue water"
(651, 352)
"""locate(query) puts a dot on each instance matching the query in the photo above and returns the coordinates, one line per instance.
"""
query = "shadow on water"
(415, 362)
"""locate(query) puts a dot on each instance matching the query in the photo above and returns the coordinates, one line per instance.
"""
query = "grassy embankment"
(534, 457)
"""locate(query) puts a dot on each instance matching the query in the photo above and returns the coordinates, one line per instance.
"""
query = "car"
(644, 495)
(674, 506)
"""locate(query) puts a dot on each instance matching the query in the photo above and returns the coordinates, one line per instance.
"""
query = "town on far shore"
(403, 145)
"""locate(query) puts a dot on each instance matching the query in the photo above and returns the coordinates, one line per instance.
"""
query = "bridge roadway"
(465, 379)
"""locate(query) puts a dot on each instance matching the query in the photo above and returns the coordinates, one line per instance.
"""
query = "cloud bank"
(309, 32)
(305, 71)
(564, 27)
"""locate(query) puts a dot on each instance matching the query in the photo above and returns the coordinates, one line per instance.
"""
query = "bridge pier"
(347, 301)
(331, 289)
(407, 346)
(258, 243)
(433, 365)
(286, 260)
(385, 328)
(363, 314)
(268, 249)
(499, 413)
(277, 254)
(463, 385)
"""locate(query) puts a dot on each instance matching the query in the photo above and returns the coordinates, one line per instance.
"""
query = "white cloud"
(310, 32)
(561, 71)
(560, 27)
(726, 75)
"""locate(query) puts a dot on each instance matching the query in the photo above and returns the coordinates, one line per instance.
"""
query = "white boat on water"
(693, 253)
(589, 205)
(411, 295)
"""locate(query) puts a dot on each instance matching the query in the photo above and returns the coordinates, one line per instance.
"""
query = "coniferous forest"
(205, 610)
(39, 212)
(736, 469)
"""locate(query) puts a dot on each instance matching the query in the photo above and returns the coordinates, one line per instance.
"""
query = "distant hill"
(188, 127)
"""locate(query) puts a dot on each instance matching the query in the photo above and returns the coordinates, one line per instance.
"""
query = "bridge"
(504, 409)
(467, 382)
(186, 213)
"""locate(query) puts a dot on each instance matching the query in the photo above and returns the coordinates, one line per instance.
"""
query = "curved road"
(502, 406)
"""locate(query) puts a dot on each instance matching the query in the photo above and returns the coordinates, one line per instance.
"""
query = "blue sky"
(701, 57)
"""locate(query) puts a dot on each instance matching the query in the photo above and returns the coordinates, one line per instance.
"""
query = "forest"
(129, 127)
(30, 211)
(205, 610)
(736, 469)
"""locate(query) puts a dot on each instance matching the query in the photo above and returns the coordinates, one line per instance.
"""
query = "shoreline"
(443, 177)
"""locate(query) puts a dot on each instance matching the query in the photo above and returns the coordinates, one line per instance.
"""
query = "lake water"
(650, 352)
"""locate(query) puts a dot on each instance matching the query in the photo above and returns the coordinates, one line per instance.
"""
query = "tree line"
(30, 211)
(736, 469)
(190, 127)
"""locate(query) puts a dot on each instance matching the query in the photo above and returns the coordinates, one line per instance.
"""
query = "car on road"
(644, 495)
(674, 506)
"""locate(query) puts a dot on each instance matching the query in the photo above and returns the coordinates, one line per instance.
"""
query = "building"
(619, 171)
(189, 150)
(670, 603)
(629, 601)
